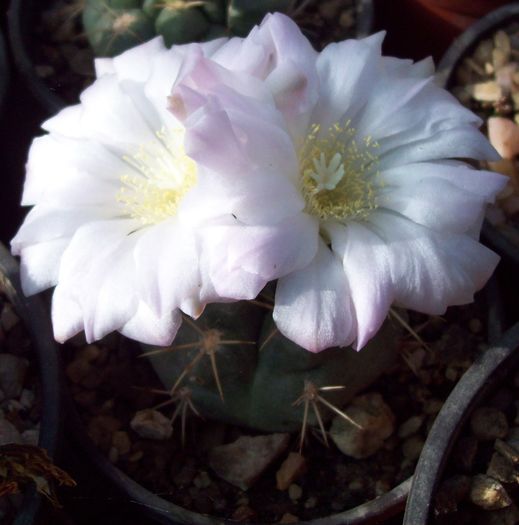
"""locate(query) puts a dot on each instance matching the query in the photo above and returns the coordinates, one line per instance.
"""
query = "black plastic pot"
(504, 239)
(4, 70)
(36, 320)
(22, 18)
(485, 375)
(161, 511)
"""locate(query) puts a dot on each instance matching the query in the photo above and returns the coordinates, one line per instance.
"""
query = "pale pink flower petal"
(313, 306)
(374, 170)
(365, 263)
(146, 327)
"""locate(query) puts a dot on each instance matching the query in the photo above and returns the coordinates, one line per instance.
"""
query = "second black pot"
(37, 323)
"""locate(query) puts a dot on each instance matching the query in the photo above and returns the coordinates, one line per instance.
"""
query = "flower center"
(338, 173)
(163, 174)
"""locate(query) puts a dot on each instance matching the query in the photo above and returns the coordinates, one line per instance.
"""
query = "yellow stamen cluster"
(338, 174)
(162, 175)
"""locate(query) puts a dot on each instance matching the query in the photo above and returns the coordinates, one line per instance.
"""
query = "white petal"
(166, 257)
(145, 327)
(67, 317)
(136, 63)
(272, 251)
(432, 270)
(220, 280)
(98, 271)
(344, 89)
(313, 306)
(67, 122)
(366, 265)
(39, 265)
(464, 141)
(482, 184)
(45, 223)
(76, 172)
(435, 203)
(111, 117)
(104, 66)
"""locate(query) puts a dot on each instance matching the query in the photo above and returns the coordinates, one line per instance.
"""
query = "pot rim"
(36, 319)
(475, 384)
(482, 376)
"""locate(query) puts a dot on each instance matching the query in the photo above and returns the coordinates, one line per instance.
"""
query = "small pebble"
(311, 502)
(412, 447)
(487, 91)
(31, 436)
(44, 71)
(242, 462)
(432, 406)
(295, 492)
(451, 492)
(288, 518)
(291, 469)
(508, 451)
(12, 374)
(243, 513)
(488, 493)
(475, 325)
(488, 423)
(101, 428)
(507, 516)
(9, 433)
(374, 422)
(356, 485)
(121, 441)
(451, 374)
(501, 469)
(465, 453)
(185, 476)
(202, 481)
(382, 487)
(113, 455)
(410, 426)
(8, 318)
(27, 398)
(151, 424)
(136, 456)
(499, 58)
(503, 134)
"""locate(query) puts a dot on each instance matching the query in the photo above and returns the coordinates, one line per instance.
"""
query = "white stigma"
(327, 176)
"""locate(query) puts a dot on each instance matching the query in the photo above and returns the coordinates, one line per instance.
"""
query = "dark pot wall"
(484, 376)
(36, 320)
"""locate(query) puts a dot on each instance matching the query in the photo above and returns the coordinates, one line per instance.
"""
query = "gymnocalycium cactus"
(113, 26)
(188, 180)
(237, 367)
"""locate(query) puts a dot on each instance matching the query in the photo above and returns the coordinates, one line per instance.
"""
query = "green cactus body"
(180, 26)
(261, 373)
(113, 29)
(112, 26)
(242, 15)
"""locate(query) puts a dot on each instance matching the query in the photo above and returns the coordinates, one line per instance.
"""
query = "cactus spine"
(239, 369)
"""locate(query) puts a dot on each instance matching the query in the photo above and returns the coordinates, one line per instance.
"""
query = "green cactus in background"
(235, 366)
(112, 26)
